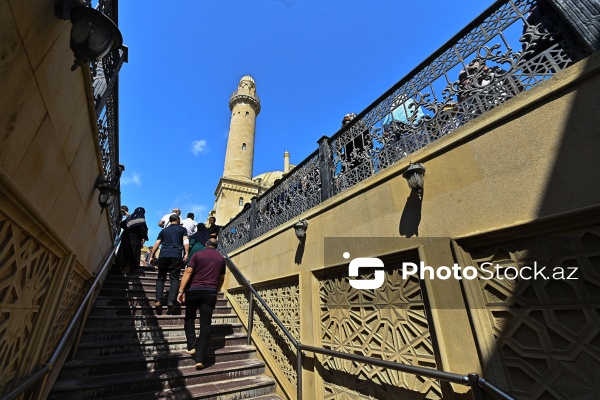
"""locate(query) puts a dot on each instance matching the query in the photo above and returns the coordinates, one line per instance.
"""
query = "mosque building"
(237, 187)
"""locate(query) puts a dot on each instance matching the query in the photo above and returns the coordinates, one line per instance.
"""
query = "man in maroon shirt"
(206, 272)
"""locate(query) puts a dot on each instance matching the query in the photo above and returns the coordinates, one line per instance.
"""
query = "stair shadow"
(152, 344)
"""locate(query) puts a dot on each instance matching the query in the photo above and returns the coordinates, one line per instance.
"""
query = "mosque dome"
(267, 179)
(248, 78)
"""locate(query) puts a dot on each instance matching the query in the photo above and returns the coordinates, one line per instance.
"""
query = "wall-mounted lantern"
(93, 34)
(109, 190)
(300, 229)
(415, 176)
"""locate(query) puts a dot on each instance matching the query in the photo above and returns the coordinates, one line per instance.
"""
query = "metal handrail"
(246, 282)
(472, 380)
(34, 378)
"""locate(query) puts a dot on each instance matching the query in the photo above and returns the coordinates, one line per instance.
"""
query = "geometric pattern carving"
(546, 332)
(25, 276)
(389, 323)
(283, 298)
(70, 301)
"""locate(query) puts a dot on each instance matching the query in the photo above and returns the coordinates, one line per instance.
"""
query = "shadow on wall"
(576, 171)
(544, 333)
(411, 216)
(300, 251)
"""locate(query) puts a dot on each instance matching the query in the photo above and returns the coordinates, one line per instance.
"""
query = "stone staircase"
(130, 350)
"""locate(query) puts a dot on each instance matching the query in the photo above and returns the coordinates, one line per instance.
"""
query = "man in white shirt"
(164, 221)
(190, 224)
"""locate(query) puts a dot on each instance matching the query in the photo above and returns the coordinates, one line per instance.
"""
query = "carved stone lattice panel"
(26, 273)
(284, 300)
(389, 323)
(71, 299)
(546, 331)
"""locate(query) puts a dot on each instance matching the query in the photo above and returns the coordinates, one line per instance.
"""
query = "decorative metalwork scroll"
(299, 191)
(237, 233)
(104, 83)
(512, 47)
(518, 45)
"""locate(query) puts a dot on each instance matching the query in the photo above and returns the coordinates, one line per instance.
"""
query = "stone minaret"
(245, 106)
(236, 188)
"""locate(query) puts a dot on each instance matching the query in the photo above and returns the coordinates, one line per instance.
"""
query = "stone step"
(150, 321)
(132, 350)
(154, 332)
(149, 310)
(134, 290)
(136, 271)
(128, 363)
(161, 382)
(149, 285)
(133, 301)
(248, 387)
(111, 281)
(151, 273)
(271, 396)
(95, 349)
(124, 292)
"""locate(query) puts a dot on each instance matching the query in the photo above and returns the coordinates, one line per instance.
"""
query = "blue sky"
(313, 62)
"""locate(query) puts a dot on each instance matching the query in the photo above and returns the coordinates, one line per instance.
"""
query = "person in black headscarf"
(135, 233)
(198, 240)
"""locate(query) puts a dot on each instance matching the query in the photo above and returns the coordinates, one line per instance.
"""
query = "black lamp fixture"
(415, 176)
(93, 34)
(300, 229)
(109, 190)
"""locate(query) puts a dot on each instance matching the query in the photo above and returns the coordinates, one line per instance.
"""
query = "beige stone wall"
(49, 144)
(52, 233)
(228, 194)
(531, 159)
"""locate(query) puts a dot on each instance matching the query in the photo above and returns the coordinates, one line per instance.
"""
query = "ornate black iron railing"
(105, 90)
(513, 46)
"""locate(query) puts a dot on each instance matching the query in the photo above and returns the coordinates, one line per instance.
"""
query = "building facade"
(509, 152)
(58, 139)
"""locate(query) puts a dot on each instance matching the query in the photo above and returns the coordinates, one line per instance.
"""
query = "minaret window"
(241, 201)
(243, 146)
(247, 113)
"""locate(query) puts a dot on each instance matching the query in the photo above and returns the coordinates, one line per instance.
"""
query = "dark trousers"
(171, 266)
(205, 300)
